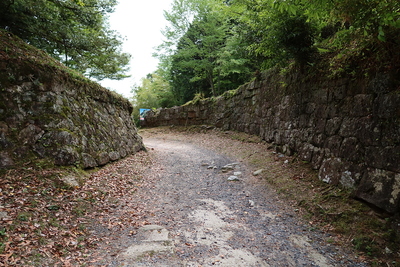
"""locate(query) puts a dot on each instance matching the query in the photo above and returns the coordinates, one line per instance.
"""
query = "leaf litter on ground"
(45, 222)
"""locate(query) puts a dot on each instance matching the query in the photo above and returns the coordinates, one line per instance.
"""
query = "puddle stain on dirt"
(304, 243)
(152, 239)
(214, 231)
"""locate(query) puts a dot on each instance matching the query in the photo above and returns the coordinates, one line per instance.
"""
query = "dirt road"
(206, 209)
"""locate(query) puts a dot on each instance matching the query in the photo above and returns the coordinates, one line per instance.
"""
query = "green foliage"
(197, 53)
(365, 244)
(74, 32)
(213, 46)
(154, 92)
(294, 35)
(196, 99)
(285, 37)
(373, 17)
(206, 56)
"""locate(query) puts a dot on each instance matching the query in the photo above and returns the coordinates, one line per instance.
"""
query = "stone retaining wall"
(347, 128)
(47, 112)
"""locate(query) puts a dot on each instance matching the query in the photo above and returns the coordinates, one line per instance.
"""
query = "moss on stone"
(42, 92)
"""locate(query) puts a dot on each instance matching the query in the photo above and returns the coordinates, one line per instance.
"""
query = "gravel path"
(197, 217)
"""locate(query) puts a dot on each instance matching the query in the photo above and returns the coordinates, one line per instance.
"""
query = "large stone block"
(381, 188)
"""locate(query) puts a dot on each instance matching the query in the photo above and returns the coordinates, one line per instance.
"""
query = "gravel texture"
(195, 216)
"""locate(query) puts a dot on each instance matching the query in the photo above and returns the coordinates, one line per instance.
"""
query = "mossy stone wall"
(48, 111)
(348, 128)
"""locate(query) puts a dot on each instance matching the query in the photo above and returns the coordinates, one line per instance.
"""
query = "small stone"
(227, 168)
(388, 250)
(207, 127)
(286, 161)
(251, 203)
(258, 172)
(237, 173)
(233, 178)
(70, 180)
(5, 160)
(3, 214)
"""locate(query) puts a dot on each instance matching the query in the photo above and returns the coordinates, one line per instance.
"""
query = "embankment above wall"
(48, 111)
(347, 128)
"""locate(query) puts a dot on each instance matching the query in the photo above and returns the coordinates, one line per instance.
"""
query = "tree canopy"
(213, 46)
(73, 31)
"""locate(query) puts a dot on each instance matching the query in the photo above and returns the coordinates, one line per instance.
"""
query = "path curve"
(201, 218)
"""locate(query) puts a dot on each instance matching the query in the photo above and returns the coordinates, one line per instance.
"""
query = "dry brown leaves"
(44, 222)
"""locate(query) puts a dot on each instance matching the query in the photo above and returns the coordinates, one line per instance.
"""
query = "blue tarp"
(143, 113)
